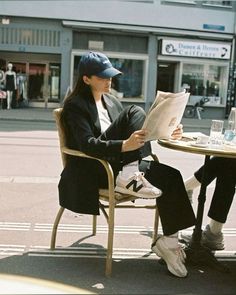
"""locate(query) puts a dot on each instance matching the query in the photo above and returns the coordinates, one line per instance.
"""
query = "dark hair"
(81, 88)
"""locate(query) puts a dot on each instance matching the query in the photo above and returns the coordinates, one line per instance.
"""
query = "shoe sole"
(158, 252)
(213, 248)
(187, 241)
(122, 190)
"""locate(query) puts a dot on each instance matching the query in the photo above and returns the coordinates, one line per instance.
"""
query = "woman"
(96, 124)
(224, 171)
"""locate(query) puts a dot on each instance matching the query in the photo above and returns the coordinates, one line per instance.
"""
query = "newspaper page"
(165, 114)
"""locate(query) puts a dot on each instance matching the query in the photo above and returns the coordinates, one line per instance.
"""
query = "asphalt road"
(30, 166)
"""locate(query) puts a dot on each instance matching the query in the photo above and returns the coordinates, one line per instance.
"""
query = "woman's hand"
(135, 141)
(178, 132)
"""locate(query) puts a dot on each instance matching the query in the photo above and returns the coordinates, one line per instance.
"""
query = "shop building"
(158, 45)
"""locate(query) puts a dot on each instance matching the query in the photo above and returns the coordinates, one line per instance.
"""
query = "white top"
(104, 119)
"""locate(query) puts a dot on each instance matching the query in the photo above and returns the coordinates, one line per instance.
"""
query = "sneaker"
(209, 240)
(174, 258)
(212, 241)
(137, 186)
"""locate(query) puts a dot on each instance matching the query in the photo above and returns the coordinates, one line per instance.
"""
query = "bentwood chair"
(108, 198)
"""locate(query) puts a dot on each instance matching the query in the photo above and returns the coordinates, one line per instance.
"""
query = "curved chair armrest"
(106, 165)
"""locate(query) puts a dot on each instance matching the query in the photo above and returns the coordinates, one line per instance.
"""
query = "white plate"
(203, 145)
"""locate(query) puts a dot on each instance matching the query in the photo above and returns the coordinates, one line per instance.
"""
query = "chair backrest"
(61, 133)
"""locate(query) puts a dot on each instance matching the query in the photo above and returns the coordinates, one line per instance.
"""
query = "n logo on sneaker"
(134, 184)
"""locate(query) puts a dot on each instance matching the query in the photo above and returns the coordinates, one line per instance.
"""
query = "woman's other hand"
(135, 141)
(178, 132)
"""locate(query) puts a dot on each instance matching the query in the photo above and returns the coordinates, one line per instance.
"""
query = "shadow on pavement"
(130, 276)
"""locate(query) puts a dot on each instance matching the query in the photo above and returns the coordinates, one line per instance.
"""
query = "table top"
(187, 144)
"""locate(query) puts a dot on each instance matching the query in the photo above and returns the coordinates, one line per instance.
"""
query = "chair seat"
(104, 195)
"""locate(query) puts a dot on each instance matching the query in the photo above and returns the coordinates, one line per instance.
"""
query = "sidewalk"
(27, 114)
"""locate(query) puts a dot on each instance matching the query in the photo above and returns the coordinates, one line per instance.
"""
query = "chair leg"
(156, 222)
(94, 225)
(110, 240)
(55, 226)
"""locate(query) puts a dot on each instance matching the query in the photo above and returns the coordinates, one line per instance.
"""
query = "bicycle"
(195, 110)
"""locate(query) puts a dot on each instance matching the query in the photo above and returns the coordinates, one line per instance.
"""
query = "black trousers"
(175, 210)
(224, 170)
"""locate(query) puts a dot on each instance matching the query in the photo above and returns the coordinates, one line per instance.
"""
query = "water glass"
(229, 135)
(216, 133)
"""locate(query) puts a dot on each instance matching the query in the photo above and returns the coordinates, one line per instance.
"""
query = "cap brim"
(108, 73)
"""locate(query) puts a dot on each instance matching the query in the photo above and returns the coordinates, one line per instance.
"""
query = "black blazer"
(79, 182)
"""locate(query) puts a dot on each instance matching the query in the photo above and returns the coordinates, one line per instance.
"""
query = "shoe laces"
(139, 176)
(179, 251)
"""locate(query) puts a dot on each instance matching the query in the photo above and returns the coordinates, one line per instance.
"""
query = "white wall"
(120, 12)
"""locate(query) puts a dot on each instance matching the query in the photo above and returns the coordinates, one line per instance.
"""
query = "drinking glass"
(216, 133)
(229, 135)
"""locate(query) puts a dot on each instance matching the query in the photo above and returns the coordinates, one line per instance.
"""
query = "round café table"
(196, 253)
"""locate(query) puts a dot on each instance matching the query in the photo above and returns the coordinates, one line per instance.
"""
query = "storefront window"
(129, 85)
(206, 81)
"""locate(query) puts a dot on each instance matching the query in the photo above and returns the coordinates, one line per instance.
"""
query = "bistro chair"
(108, 198)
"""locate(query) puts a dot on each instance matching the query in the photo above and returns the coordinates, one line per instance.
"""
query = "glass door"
(37, 82)
(166, 76)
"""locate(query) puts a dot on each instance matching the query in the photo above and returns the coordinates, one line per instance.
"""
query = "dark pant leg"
(129, 120)
(175, 210)
(214, 166)
(224, 170)
(224, 191)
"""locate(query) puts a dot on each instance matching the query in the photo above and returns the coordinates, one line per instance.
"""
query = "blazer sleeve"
(83, 135)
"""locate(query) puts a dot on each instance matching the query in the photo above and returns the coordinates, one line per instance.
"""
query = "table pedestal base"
(198, 255)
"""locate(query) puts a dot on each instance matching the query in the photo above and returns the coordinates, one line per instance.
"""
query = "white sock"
(191, 183)
(171, 241)
(129, 169)
(215, 226)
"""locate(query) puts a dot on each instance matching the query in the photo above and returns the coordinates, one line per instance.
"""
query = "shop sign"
(196, 49)
(96, 45)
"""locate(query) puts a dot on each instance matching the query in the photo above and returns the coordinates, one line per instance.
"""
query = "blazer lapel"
(111, 108)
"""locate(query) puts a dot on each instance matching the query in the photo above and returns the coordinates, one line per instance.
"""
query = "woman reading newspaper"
(96, 123)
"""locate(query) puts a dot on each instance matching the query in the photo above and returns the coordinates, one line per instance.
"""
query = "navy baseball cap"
(97, 64)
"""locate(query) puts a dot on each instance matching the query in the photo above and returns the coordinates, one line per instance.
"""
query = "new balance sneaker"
(174, 257)
(137, 186)
(212, 241)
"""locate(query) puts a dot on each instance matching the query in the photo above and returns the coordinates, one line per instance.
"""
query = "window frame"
(128, 56)
(206, 65)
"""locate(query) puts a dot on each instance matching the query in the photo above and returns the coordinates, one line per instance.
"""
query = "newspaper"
(165, 114)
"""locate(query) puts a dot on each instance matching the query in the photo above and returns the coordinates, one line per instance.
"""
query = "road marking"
(15, 226)
(7, 250)
(82, 228)
(92, 252)
(23, 179)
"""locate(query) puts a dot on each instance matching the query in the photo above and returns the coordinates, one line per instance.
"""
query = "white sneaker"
(174, 257)
(137, 186)
(214, 242)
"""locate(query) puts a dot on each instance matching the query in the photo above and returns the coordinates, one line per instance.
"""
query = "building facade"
(158, 45)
